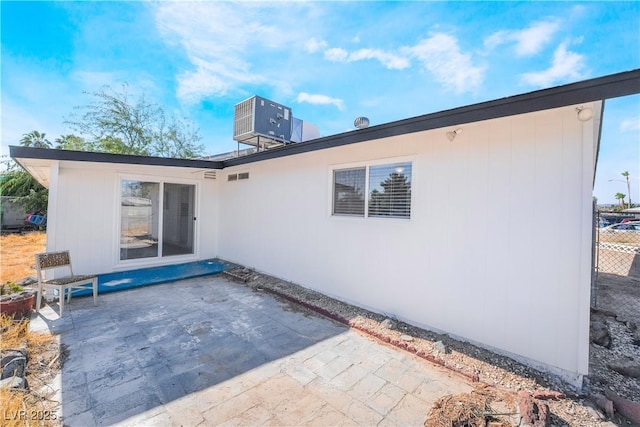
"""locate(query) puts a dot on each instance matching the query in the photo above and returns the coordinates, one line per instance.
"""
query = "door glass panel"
(178, 219)
(139, 219)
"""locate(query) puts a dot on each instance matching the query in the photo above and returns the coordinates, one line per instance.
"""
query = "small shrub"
(10, 288)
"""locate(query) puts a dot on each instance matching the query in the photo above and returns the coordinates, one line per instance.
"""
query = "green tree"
(621, 196)
(72, 142)
(35, 139)
(116, 123)
(24, 188)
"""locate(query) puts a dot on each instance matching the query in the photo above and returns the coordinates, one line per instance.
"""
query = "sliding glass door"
(146, 231)
(139, 219)
(178, 219)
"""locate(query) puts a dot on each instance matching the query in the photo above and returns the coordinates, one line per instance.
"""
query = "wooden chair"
(68, 283)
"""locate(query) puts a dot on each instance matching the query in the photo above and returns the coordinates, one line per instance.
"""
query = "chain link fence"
(617, 240)
(616, 284)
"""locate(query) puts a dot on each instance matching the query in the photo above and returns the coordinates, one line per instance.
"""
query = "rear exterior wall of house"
(85, 200)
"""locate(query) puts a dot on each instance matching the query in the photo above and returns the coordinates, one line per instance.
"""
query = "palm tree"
(621, 196)
(35, 139)
(626, 175)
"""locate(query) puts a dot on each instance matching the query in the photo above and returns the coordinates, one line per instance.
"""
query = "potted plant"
(15, 301)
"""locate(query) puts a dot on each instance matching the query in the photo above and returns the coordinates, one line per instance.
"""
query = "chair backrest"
(49, 260)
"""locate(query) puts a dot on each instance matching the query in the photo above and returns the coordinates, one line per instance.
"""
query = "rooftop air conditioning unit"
(262, 123)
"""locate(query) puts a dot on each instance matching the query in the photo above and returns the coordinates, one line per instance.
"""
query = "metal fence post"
(594, 255)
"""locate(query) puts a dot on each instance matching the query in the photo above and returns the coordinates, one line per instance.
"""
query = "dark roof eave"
(18, 152)
(611, 86)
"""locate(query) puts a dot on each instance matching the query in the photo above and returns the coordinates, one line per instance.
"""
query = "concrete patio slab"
(207, 351)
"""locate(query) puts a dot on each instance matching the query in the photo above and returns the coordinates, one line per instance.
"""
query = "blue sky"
(329, 61)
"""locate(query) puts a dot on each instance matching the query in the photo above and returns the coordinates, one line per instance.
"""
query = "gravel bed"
(568, 407)
(622, 347)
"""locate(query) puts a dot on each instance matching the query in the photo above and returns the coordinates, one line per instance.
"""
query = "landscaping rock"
(13, 363)
(599, 334)
(604, 404)
(627, 408)
(547, 394)
(533, 413)
(10, 353)
(407, 338)
(388, 323)
(626, 366)
(439, 347)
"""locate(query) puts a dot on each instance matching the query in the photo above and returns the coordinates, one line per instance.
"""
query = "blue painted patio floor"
(123, 280)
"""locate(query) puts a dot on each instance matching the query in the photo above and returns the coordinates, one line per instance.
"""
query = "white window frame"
(366, 165)
(159, 259)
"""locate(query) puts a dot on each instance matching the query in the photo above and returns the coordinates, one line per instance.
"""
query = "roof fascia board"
(18, 152)
(601, 88)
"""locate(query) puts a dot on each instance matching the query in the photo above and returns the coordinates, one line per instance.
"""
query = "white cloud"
(336, 54)
(214, 78)
(314, 45)
(216, 38)
(318, 99)
(528, 41)
(496, 39)
(531, 40)
(389, 60)
(566, 65)
(630, 125)
(441, 55)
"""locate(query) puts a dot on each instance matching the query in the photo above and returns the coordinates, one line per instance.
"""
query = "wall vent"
(210, 175)
(232, 177)
(243, 175)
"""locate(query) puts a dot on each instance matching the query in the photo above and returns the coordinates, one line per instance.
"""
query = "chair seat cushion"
(68, 279)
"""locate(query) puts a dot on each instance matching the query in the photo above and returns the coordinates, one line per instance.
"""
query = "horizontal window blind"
(390, 190)
(349, 191)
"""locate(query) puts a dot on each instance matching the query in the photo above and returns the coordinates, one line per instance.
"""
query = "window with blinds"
(348, 191)
(385, 191)
(390, 190)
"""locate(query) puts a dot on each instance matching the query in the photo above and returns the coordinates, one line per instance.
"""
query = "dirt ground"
(17, 255)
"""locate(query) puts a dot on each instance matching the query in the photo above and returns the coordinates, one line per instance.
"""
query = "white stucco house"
(457, 239)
